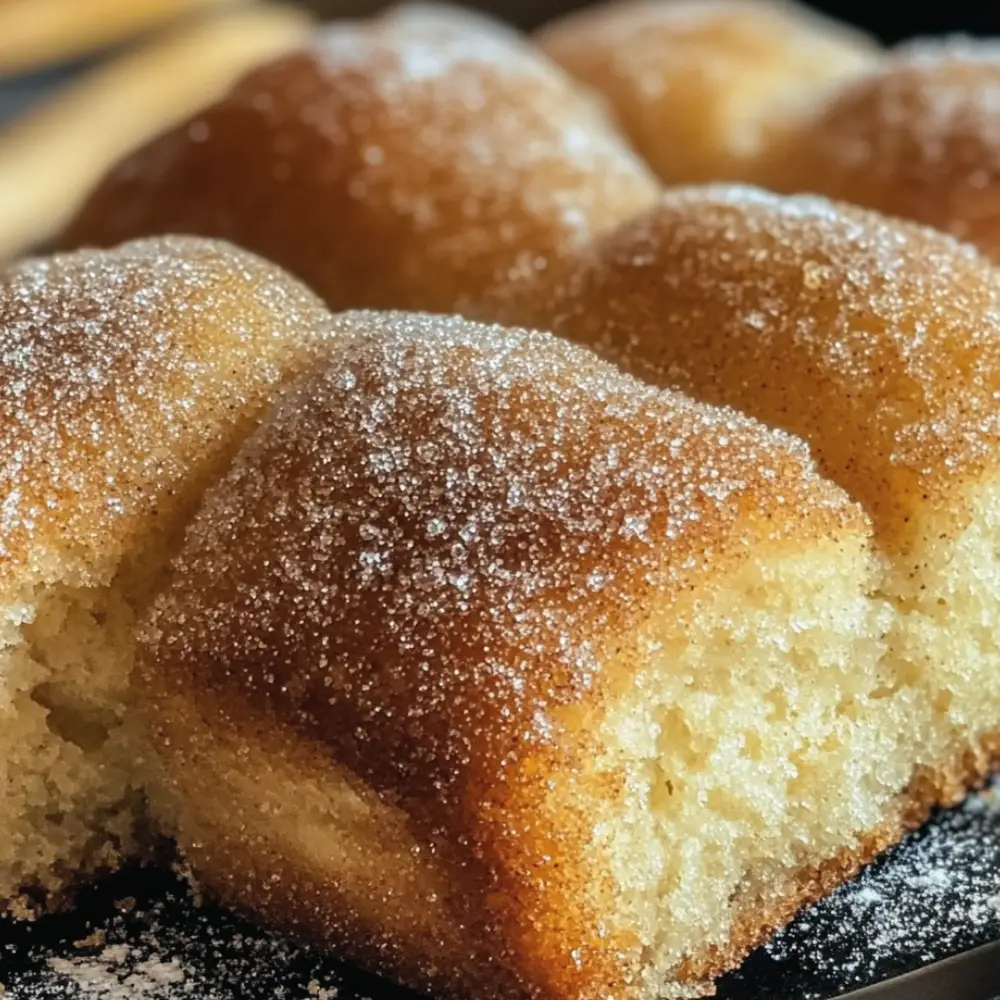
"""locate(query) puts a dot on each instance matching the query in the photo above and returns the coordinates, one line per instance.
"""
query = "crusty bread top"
(405, 162)
(123, 374)
(918, 138)
(432, 542)
(877, 341)
(702, 85)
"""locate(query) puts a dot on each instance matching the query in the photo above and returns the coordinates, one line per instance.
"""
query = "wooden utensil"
(53, 155)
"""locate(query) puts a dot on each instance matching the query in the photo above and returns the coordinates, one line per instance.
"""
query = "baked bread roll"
(508, 675)
(702, 88)
(127, 380)
(917, 139)
(879, 343)
(409, 161)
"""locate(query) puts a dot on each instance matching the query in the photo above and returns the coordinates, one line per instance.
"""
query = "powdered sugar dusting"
(166, 946)
(932, 897)
(116, 974)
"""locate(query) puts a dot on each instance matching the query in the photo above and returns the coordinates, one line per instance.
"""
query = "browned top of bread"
(701, 86)
(409, 162)
(919, 138)
(876, 341)
(123, 374)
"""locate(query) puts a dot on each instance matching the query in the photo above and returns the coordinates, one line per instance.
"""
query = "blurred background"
(890, 19)
(84, 82)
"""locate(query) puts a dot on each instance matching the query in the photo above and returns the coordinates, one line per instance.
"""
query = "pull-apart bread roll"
(917, 139)
(876, 341)
(127, 380)
(510, 675)
(702, 88)
(409, 161)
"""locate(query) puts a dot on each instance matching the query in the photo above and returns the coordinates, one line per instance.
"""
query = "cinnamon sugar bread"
(498, 669)
(704, 87)
(511, 676)
(127, 380)
(409, 161)
(917, 138)
(876, 341)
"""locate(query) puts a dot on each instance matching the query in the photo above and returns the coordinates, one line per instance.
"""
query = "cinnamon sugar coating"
(409, 161)
(428, 563)
(877, 341)
(917, 138)
(124, 374)
(704, 87)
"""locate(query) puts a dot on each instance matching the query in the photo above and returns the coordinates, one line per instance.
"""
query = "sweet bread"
(409, 161)
(876, 341)
(704, 87)
(505, 671)
(127, 380)
(51, 158)
(917, 138)
(511, 676)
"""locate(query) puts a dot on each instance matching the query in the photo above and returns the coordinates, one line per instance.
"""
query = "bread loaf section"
(511, 676)
(916, 137)
(411, 161)
(502, 669)
(879, 343)
(128, 379)
(705, 88)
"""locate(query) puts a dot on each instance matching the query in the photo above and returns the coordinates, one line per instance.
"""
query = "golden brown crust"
(426, 562)
(407, 162)
(703, 88)
(876, 341)
(124, 377)
(917, 139)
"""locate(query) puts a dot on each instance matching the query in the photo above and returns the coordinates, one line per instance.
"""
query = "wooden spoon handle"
(52, 156)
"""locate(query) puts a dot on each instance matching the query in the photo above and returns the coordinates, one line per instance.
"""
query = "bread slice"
(879, 343)
(508, 675)
(127, 380)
